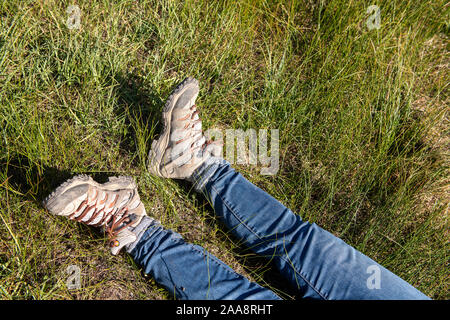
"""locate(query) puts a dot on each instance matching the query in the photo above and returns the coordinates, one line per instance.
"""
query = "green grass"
(362, 116)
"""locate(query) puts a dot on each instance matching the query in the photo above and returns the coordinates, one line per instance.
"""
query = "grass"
(362, 116)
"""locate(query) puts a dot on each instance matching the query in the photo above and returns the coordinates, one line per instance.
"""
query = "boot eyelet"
(114, 243)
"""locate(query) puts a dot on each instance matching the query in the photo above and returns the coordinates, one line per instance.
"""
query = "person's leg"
(188, 271)
(316, 262)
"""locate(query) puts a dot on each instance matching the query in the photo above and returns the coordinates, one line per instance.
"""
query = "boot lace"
(192, 132)
(113, 221)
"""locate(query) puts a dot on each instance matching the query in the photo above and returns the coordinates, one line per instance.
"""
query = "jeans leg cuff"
(139, 231)
(203, 174)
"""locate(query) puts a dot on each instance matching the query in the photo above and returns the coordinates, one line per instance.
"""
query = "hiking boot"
(115, 206)
(181, 147)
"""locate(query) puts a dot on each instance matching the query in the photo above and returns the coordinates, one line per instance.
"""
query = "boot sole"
(159, 146)
(113, 183)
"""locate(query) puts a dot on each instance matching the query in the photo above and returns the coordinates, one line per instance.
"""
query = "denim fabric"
(316, 263)
(189, 272)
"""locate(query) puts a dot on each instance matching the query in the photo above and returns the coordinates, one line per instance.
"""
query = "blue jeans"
(315, 262)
